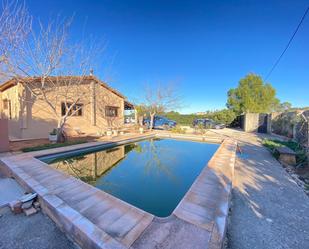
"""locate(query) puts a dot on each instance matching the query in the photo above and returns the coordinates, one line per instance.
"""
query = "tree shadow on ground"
(269, 210)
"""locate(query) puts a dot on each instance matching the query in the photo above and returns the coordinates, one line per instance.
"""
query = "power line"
(288, 45)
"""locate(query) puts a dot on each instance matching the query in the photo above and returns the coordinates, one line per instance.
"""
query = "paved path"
(269, 210)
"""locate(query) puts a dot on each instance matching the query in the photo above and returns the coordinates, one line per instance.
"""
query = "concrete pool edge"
(217, 177)
(206, 203)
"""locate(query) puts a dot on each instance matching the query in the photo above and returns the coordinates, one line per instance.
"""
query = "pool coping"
(205, 204)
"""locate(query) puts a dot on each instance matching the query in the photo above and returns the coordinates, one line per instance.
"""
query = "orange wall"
(34, 118)
(4, 135)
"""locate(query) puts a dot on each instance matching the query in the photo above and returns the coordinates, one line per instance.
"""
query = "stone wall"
(293, 125)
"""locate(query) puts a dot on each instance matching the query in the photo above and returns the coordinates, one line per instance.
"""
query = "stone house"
(92, 166)
(98, 108)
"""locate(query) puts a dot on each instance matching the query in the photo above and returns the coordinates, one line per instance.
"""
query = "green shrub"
(224, 116)
(301, 156)
(178, 129)
(51, 146)
(53, 132)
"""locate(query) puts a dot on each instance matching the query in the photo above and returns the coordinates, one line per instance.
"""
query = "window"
(111, 111)
(5, 104)
(7, 108)
(76, 110)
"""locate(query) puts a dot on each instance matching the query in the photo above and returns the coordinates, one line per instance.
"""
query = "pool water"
(153, 174)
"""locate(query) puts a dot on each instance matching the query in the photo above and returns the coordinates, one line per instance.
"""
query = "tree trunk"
(152, 115)
(60, 134)
(141, 121)
(135, 116)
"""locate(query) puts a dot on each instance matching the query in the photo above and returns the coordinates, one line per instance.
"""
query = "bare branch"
(53, 68)
(15, 26)
(160, 98)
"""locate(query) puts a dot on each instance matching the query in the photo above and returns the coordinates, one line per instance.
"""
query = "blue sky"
(204, 46)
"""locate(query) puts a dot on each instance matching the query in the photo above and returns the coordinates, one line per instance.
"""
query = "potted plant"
(115, 132)
(109, 132)
(53, 136)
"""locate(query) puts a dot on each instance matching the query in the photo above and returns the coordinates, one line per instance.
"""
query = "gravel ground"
(33, 232)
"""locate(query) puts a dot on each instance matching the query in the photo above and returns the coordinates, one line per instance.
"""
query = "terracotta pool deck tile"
(108, 217)
(87, 234)
(39, 174)
(32, 166)
(71, 190)
(92, 200)
(207, 181)
(56, 188)
(209, 190)
(201, 200)
(26, 162)
(48, 177)
(96, 219)
(74, 199)
(32, 173)
(93, 212)
(55, 179)
(90, 236)
(52, 200)
(24, 176)
(68, 212)
(137, 230)
(40, 190)
(21, 172)
(203, 211)
(120, 227)
(200, 221)
(32, 183)
(96, 216)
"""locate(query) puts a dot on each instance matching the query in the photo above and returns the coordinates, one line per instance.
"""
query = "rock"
(36, 204)
(27, 204)
(28, 197)
(30, 211)
(16, 207)
(294, 176)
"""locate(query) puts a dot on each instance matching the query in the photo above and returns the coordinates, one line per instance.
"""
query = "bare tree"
(159, 99)
(15, 26)
(53, 70)
(140, 113)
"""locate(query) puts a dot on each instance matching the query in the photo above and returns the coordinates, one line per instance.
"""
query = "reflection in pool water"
(153, 175)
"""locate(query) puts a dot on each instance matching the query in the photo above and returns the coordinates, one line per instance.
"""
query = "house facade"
(97, 108)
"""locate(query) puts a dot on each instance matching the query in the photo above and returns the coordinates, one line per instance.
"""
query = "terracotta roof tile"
(12, 82)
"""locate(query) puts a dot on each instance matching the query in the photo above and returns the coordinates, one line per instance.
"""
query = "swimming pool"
(152, 174)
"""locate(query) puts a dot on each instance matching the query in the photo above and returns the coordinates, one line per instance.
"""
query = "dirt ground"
(33, 232)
